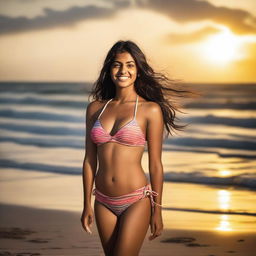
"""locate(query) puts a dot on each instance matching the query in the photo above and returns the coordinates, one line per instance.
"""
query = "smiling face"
(123, 70)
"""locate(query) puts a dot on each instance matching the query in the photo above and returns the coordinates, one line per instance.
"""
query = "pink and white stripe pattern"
(129, 134)
(118, 204)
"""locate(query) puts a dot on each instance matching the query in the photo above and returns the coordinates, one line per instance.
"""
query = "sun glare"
(222, 48)
(224, 173)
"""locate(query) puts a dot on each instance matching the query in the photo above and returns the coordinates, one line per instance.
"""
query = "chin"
(123, 85)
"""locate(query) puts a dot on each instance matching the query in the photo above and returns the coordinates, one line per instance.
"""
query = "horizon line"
(91, 82)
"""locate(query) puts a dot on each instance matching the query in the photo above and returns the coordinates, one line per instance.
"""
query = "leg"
(107, 226)
(133, 226)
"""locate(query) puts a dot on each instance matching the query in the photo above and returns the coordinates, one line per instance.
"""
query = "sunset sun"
(222, 48)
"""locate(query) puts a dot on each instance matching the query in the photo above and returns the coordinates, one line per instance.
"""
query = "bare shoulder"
(93, 107)
(94, 104)
(151, 108)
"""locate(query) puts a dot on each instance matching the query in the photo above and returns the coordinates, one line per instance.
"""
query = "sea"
(42, 128)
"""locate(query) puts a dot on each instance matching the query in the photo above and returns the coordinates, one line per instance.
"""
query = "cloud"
(53, 18)
(190, 37)
(239, 21)
(182, 11)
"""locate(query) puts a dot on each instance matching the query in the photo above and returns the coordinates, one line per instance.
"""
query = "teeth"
(123, 77)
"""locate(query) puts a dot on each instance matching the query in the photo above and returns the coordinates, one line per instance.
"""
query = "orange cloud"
(239, 21)
(53, 18)
(190, 37)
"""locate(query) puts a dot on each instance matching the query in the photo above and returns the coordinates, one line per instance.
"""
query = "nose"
(122, 69)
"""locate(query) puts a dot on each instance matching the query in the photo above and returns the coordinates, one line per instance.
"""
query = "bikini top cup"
(130, 134)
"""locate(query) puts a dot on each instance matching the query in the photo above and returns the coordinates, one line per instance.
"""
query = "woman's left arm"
(155, 126)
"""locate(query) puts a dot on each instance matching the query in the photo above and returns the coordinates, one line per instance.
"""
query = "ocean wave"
(40, 116)
(247, 180)
(46, 142)
(37, 129)
(45, 102)
(212, 143)
(4, 163)
(240, 154)
(211, 119)
(56, 97)
(46, 87)
(228, 212)
(224, 105)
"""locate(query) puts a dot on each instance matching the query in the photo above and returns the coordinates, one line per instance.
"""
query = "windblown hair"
(151, 85)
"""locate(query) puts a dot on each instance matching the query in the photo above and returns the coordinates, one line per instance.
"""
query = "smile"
(122, 78)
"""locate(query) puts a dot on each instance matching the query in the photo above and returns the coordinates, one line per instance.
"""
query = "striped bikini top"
(130, 134)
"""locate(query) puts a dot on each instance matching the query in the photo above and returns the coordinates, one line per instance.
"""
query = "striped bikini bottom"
(118, 204)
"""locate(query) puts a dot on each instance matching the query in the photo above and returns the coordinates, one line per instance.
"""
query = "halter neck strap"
(136, 105)
(135, 109)
(104, 107)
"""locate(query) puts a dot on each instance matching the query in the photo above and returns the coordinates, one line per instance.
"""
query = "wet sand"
(30, 231)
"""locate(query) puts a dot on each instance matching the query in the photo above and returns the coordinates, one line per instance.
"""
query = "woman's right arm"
(89, 170)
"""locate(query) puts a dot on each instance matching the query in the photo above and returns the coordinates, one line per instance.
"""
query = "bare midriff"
(120, 171)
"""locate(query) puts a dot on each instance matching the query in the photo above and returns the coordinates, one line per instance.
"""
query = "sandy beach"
(28, 231)
(31, 223)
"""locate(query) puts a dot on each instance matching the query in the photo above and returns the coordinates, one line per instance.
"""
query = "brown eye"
(115, 65)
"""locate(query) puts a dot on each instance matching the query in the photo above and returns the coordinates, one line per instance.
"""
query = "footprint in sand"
(5, 253)
(27, 254)
(38, 240)
(197, 245)
(185, 240)
(15, 233)
(179, 240)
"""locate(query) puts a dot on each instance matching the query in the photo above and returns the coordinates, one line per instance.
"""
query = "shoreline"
(58, 232)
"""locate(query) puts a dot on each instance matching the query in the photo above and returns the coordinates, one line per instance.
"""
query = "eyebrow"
(126, 61)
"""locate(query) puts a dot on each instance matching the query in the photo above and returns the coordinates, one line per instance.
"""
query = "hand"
(87, 219)
(156, 225)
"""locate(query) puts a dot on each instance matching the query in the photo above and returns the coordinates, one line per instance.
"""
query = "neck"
(125, 96)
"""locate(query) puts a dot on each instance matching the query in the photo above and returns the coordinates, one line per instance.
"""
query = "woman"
(129, 111)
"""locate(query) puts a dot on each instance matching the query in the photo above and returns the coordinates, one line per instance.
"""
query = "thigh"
(106, 222)
(133, 226)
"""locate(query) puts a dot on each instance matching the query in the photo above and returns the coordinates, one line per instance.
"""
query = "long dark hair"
(151, 85)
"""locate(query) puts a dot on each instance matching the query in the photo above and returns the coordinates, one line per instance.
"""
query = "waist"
(121, 181)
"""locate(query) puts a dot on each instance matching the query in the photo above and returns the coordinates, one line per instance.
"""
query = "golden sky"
(67, 40)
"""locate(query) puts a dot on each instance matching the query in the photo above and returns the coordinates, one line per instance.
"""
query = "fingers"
(154, 235)
(87, 223)
(87, 229)
(157, 232)
(90, 222)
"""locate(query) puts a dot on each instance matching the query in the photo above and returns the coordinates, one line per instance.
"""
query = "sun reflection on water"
(224, 197)
(224, 224)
